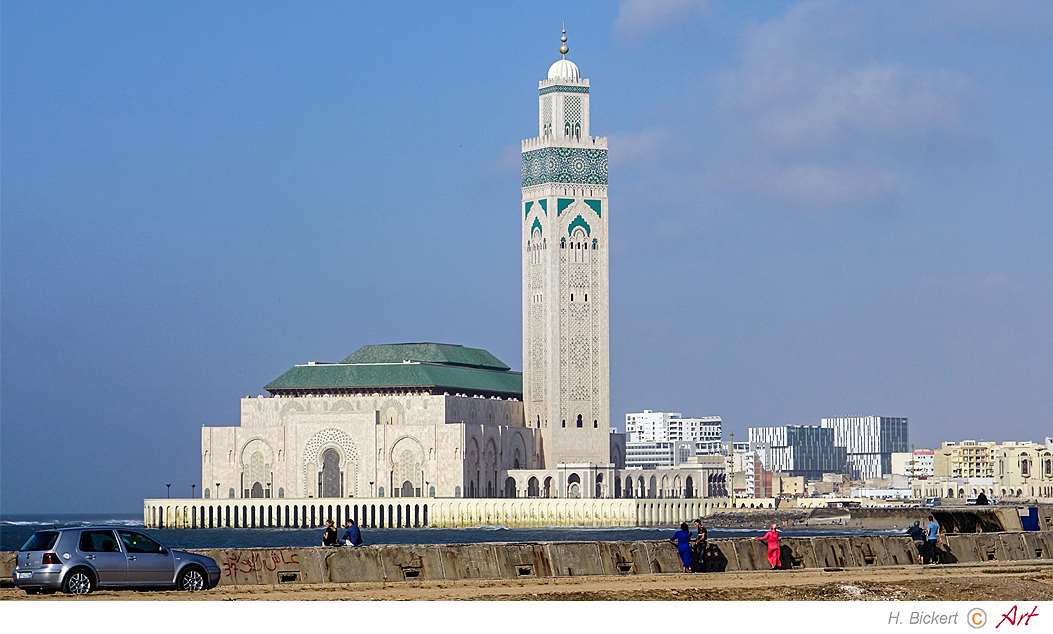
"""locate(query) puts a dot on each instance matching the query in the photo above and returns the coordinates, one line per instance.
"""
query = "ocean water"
(16, 529)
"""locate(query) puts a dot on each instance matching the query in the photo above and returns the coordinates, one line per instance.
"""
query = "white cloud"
(637, 18)
(817, 123)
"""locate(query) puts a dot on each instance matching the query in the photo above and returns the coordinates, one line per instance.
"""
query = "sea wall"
(434, 512)
(254, 566)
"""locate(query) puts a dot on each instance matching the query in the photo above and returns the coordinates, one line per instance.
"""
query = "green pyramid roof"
(437, 368)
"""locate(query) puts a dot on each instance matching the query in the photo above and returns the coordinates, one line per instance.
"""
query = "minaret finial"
(563, 47)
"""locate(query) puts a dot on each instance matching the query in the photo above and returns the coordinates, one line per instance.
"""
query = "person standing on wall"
(682, 539)
(698, 559)
(932, 532)
(917, 535)
(772, 538)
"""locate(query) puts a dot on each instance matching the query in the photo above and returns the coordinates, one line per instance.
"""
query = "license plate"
(25, 575)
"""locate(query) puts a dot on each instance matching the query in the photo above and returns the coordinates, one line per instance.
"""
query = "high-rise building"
(801, 450)
(648, 426)
(870, 442)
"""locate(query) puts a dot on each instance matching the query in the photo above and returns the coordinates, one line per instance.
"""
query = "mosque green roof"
(443, 353)
(425, 366)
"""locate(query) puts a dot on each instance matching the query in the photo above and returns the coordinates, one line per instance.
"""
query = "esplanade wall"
(388, 563)
(433, 512)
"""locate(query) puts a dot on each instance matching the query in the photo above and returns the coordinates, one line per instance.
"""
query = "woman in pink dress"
(772, 537)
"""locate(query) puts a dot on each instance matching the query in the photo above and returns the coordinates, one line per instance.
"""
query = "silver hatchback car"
(79, 560)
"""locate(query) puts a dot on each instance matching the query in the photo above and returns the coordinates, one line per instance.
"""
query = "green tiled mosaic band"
(548, 89)
(564, 165)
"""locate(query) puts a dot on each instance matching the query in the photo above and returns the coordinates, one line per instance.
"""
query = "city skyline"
(816, 210)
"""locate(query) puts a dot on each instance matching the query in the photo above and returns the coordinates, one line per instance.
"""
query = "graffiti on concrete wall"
(247, 562)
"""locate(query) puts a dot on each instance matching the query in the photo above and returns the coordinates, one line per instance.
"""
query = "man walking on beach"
(933, 533)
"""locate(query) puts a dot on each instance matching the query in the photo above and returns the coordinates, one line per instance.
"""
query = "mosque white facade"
(431, 420)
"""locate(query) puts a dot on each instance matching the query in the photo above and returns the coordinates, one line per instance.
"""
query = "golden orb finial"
(563, 48)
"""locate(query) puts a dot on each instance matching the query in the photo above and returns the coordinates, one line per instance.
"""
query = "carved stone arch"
(471, 453)
(331, 438)
(291, 405)
(517, 448)
(490, 455)
(392, 412)
(407, 464)
(342, 405)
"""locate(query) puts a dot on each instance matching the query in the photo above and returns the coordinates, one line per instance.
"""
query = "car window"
(42, 540)
(98, 542)
(138, 543)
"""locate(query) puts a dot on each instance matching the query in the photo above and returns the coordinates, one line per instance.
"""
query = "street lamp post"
(193, 493)
(217, 489)
(169, 485)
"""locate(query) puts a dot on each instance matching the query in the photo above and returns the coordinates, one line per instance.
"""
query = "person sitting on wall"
(981, 500)
(329, 536)
(352, 536)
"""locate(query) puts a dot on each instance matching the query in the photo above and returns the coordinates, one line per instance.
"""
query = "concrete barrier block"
(236, 567)
(574, 559)
(348, 565)
(518, 561)
(797, 553)
(407, 561)
(1014, 546)
(719, 555)
(469, 561)
(833, 552)
(619, 558)
(752, 554)
(1009, 518)
(7, 566)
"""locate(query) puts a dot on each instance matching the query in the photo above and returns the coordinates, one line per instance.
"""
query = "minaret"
(566, 363)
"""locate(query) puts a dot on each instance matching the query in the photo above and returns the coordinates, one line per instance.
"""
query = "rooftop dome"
(563, 69)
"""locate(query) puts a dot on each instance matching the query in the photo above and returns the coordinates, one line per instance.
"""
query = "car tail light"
(50, 558)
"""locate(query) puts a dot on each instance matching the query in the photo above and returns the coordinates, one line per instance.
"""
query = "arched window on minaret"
(579, 420)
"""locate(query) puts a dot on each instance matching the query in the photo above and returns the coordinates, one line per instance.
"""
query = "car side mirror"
(164, 551)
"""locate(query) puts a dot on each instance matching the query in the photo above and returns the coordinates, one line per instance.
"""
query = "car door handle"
(89, 556)
(131, 558)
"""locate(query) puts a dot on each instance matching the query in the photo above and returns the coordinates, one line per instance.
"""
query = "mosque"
(427, 420)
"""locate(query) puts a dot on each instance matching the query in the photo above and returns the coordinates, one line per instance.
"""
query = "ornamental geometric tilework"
(564, 165)
(546, 116)
(572, 111)
(548, 89)
(312, 453)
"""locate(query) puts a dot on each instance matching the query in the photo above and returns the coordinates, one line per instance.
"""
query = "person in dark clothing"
(917, 535)
(981, 500)
(698, 559)
(682, 539)
(329, 536)
(352, 536)
(932, 538)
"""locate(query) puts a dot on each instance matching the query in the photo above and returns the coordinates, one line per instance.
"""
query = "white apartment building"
(650, 455)
(869, 442)
(913, 465)
(649, 426)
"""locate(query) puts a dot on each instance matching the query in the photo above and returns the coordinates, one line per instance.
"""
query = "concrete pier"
(433, 512)
(319, 565)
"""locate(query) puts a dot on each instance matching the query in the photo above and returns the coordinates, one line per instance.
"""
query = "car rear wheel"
(78, 581)
(192, 579)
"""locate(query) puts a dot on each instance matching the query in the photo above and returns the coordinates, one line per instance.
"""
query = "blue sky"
(816, 209)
